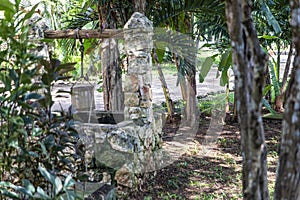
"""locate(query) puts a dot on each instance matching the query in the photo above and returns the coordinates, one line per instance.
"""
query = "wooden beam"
(85, 34)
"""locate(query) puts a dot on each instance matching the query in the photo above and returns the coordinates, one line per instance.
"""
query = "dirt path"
(209, 175)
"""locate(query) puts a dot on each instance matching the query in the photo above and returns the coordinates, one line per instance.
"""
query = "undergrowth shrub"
(38, 151)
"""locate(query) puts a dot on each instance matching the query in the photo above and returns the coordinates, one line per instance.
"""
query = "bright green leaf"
(69, 182)
(268, 106)
(47, 175)
(58, 185)
(270, 17)
(8, 7)
(42, 193)
(205, 68)
(268, 37)
(28, 185)
(267, 89)
(160, 52)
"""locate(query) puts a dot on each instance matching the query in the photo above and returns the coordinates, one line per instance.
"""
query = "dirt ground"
(213, 175)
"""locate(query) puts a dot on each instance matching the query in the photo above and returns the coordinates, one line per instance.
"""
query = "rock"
(105, 192)
(125, 177)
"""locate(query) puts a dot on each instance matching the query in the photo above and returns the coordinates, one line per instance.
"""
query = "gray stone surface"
(138, 45)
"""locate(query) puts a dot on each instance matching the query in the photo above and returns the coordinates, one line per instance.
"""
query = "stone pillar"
(138, 33)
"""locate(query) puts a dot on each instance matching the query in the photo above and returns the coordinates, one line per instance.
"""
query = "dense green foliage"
(38, 146)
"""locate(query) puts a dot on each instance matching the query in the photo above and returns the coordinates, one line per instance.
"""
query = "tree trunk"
(169, 102)
(191, 102)
(280, 99)
(249, 62)
(140, 6)
(288, 174)
(113, 95)
(180, 76)
(191, 108)
(112, 76)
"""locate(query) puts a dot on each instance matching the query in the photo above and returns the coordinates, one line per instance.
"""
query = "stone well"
(129, 146)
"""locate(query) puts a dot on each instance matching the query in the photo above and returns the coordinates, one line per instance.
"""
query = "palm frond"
(182, 45)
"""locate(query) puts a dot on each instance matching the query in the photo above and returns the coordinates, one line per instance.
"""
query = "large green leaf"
(274, 78)
(268, 106)
(47, 175)
(270, 17)
(8, 9)
(226, 60)
(42, 193)
(267, 89)
(224, 77)
(160, 51)
(27, 16)
(268, 37)
(24, 191)
(5, 190)
(69, 182)
(224, 65)
(58, 185)
(206, 66)
(29, 186)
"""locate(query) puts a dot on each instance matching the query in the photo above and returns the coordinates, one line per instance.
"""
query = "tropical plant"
(275, 36)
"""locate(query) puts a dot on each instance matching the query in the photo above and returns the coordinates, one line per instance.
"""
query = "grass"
(167, 68)
(213, 101)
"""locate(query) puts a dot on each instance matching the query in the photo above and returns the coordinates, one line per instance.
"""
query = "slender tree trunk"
(140, 6)
(112, 76)
(288, 174)
(191, 108)
(191, 102)
(249, 63)
(180, 76)
(169, 102)
(113, 95)
(280, 99)
(278, 59)
(268, 82)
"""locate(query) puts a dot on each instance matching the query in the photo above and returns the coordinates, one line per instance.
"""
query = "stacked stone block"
(138, 33)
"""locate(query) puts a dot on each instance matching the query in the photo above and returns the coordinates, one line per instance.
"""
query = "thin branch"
(84, 34)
